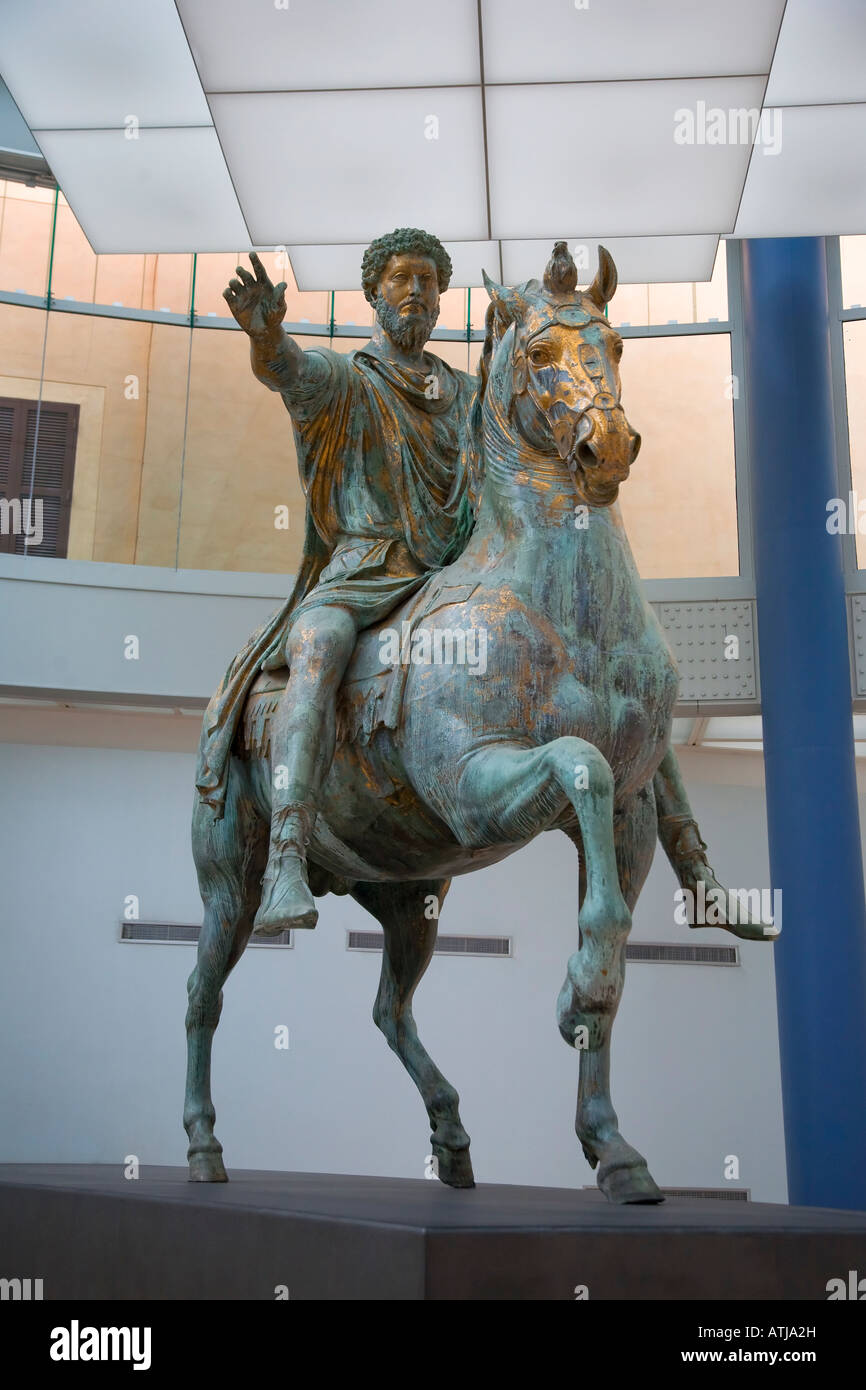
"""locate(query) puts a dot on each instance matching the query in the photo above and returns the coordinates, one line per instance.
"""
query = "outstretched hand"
(258, 305)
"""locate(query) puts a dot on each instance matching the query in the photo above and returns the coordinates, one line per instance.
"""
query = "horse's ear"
(603, 287)
(498, 294)
(511, 304)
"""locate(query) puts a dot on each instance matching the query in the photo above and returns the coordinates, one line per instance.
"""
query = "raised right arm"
(260, 307)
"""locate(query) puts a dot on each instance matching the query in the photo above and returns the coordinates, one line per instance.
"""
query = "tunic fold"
(388, 466)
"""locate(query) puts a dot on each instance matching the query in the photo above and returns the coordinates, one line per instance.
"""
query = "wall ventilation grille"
(664, 953)
(445, 945)
(182, 934)
(654, 952)
(711, 1194)
(707, 1194)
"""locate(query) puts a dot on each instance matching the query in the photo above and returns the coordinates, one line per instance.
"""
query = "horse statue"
(445, 766)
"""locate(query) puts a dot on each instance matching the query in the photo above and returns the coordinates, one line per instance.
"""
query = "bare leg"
(229, 855)
(410, 934)
(303, 735)
(682, 843)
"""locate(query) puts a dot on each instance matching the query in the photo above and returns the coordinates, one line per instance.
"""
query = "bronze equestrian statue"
(446, 509)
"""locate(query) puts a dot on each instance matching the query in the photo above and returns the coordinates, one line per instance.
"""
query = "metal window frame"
(855, 578)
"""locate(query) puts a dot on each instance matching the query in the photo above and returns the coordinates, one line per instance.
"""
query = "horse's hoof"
(207, 1167)
(625, 1186)
(454, 1166)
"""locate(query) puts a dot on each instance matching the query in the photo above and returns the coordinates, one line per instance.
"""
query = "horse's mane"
(494, 328)
(486, 351)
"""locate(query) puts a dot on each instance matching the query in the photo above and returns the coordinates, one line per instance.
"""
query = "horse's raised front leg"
(507, 792)
(623, 1175)
(408, 913)
(230, 858)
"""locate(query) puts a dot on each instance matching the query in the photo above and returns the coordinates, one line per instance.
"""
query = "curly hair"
(400, 242)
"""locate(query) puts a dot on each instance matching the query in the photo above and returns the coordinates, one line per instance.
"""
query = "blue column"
(812, 812)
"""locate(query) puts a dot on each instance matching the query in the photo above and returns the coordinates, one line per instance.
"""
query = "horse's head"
(564, 364)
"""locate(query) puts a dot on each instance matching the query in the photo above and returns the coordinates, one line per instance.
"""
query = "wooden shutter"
(51, 473)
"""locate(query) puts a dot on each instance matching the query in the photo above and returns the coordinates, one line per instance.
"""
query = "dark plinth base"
(89, 1233)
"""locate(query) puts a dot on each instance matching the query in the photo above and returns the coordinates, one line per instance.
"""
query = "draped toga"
(388, 468)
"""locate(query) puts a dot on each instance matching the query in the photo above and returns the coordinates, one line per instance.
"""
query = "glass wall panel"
(167, 284)
(214, 270)
(212, 274)
(151, 433)
(73, 273)
(243, 508)
(21, 336)
(680, 501)
(351, 310)
(855, 388)
(456, 354)
(452, 309)
(711, 296)
(129, 381)
(853, 255)
(120, 280)
(641, 305)
(26, 216)
(162, 455)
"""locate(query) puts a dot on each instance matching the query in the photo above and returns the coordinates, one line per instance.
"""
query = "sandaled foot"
(707, 904)
(287, 903)
(732, 909)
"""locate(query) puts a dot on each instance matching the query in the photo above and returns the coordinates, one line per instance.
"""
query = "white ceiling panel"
(327, 267)
(331, 43)
(635, 179)
(169, 190)
(337, 120)
(554, 41)
(469, 259)
(339, 267)
(307, 169)
(821, 56)
(814, 185)
(639, 260)
(93, 64)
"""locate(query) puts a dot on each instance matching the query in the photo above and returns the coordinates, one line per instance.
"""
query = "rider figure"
(383, 438)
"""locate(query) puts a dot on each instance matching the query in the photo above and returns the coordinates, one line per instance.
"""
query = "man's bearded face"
(407, 303)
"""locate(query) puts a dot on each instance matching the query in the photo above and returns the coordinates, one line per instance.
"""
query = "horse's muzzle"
(605, 447)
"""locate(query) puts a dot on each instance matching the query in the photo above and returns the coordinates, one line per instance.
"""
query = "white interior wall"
(92, 1029)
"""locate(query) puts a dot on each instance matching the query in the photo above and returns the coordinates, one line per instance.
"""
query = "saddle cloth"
(371, 694)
